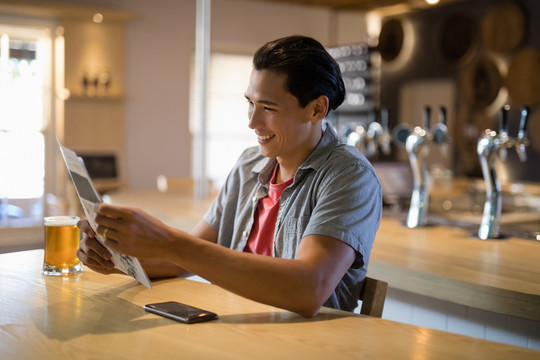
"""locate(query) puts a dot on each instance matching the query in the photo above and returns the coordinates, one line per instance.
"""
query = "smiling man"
(294, 224)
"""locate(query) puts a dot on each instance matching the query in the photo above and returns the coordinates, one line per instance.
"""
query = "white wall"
(158, 44)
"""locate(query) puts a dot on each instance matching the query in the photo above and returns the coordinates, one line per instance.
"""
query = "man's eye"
(269, 109)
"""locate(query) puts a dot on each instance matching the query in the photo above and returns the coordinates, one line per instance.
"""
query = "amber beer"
(61, 244)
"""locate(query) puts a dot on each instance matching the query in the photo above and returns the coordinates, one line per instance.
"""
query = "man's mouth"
(265, 137)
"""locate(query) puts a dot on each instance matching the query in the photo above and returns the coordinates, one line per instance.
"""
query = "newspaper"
(90, 198)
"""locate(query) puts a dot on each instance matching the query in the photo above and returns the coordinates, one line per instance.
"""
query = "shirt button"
(245, 234)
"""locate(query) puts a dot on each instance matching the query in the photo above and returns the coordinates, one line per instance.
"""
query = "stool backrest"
(373, 295)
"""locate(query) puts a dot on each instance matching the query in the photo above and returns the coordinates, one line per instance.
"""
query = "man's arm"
(301, 285)
(161, 268)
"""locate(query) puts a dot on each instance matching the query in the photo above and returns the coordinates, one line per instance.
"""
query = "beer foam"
(61, 221)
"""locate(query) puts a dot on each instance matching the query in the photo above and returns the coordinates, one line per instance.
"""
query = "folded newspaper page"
(89, 198)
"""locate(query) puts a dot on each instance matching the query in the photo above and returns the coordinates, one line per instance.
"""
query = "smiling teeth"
(267, 137)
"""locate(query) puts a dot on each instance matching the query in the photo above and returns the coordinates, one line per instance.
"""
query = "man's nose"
(254, 119)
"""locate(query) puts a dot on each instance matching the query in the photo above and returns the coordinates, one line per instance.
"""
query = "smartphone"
(180, 312)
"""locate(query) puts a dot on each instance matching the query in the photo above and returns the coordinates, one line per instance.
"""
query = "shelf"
(86, 98)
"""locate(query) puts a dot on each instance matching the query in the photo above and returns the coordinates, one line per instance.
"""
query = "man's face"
(284, 129)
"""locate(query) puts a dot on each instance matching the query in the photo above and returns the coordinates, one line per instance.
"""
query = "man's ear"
(320, 107)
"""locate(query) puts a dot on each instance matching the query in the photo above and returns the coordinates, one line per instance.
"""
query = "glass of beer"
(61, 244)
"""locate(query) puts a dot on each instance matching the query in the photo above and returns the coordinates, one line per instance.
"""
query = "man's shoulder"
(251, 153)
(250, 160)
(345, 156)
(250, 156)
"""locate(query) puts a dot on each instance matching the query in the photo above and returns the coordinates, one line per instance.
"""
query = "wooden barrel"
(504, 27)
(390, 39)
(480, 83)
(523, 78)
(457, 37)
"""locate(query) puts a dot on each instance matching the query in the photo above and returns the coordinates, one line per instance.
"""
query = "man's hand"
(92, 253)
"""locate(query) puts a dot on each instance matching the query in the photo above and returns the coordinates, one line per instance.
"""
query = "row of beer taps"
(368, 139)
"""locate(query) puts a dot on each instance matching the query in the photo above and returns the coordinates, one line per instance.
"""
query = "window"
(25, 73)
(228, 131)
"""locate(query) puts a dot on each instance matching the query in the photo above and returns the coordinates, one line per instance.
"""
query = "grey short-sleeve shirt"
(335, 193)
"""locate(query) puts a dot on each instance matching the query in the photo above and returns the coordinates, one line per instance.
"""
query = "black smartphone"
(180, 312)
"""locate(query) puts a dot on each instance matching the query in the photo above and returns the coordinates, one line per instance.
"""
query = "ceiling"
(351, 4)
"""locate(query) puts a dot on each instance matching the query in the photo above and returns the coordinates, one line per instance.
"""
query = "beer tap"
(417, 146)
(522, 140)
(378, 135)
(357, 137)
(440, 132)
(385, 138)
(489, 146)
(503, 132)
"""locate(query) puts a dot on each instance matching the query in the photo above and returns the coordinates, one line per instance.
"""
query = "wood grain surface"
(450, 264)
(93, 316)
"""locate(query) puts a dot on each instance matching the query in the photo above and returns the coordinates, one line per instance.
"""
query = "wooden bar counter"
(445, 263)
(93, 316)
(450, 264)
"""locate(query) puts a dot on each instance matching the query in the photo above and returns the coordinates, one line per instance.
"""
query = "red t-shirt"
(261, 238)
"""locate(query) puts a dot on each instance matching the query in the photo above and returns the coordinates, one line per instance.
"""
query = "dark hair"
(310, 70)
